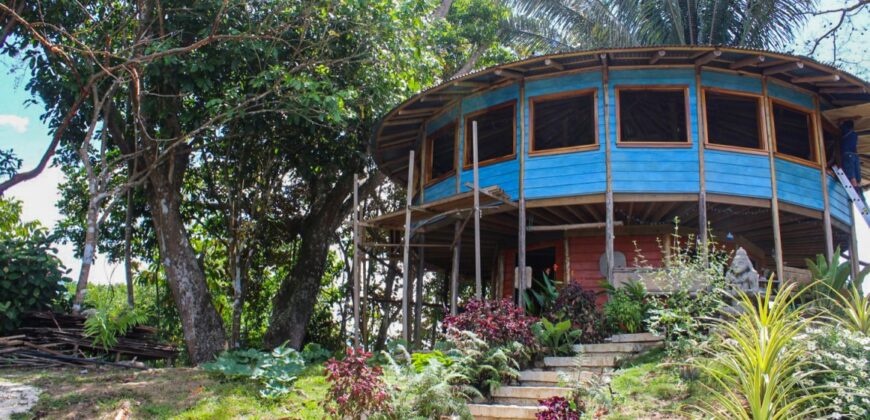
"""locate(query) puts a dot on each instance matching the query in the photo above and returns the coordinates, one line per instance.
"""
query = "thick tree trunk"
(203, 330)
(90, 249)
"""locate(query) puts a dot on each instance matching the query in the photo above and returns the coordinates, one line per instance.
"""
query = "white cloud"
(19, 124)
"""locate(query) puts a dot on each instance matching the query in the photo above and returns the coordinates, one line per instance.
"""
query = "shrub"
(559, 408)
(314, 354)
(487, 367)
(626, 310)
(844, 357)
(538, 300)
(556, 339)
(421, 360)
(355, 388)
(105, 325)
(578, 306)
(431, 390)
(851, 310)
(495, 321)
(275, 371)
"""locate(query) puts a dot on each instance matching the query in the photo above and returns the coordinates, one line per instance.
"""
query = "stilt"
(853, 246)
(478, 282)
(521, 206)
(826, 215)
(774, 202)
(608, 200)
(406, 268)
(356, 262)
(454, 270)
(702, 178)
(418, 296)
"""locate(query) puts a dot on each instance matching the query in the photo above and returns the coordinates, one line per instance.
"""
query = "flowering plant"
(355, 388)
(845, 360)
(495, 321)
(559, 408)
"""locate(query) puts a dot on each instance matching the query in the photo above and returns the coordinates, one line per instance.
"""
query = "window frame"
(562, 95)
(762, 135)
(813, 137)
(467, 140)
(430, 143)
(647, 143)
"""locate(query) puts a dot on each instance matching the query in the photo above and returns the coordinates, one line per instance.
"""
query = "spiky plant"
(851, 310)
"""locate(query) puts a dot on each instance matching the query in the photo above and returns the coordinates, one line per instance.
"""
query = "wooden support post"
(356, 262)
(608, 200)
(418, 295)
(774, 202)
(406, 268)
(826, 215)
(854, 258)
(454, 270)
(521, 208)
(702, 141)
(478, 282)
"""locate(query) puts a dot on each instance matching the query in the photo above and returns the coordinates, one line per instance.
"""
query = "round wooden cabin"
(572, 146)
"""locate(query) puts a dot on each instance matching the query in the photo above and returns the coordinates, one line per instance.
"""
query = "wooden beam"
(418, 296)
(478, 281)
(554, 64)
(814, 79)
(658, 55)
(781, 68)
(505, 200)
(745, 62)
(708, 57)
(608, 195)
(419, 111)
(603, 58)
(356, 261)
(774, 202)
(454, 269)
(388, 245)
(574, 226)
(521, 216)
(702, 185)
(854, 90)
(436, 98)
(854, 256)
(406, 291)
(398, 121)
(508, 73)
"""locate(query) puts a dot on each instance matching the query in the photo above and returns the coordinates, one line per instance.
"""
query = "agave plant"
(833, 277)
(851, 310)
(758, 365)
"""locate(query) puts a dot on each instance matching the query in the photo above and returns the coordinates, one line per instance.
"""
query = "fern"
(104, 326)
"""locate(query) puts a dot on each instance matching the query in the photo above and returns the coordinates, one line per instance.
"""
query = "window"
(652, 115)
(441, 148)
(793, 132)
(733, 120)
(563, 121)
(831, 137)
(496, 134)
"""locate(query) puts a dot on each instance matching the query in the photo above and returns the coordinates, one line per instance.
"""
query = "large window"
(733, 119)
(496, 134)
(564, 121)
(652, 115)
(441, 152)
(793, 131)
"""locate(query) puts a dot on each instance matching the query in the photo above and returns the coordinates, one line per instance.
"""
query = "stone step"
(528, 395)
(635, 338)
(584, 361)
(552, 377)
(609, 348)
(502, 411)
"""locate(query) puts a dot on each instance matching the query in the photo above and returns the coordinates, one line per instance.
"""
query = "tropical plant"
(421, 360)
(428, 391)
(559, 408)
(844, 357)
(851, 310)
(315, 354)
(105, 325)
(626, 309)
(833, 277)
(541, 297)
(556, 338)
(578, 305)
(758, 365)
(275, 371)
(495, 321)
(356, 390)
(487, 366)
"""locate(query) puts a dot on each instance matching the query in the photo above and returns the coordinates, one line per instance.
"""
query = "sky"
(23, 132)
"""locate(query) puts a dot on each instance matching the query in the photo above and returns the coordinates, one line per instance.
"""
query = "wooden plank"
(706, 58)
(702, 176)
(774, 202)
(454, 269)
(748, 61)
(815, 79)
(418, 296)
(854, 256)
(566, 201)
(406, 292)
(608, 197)
(572, 226)
(478, 282)
(826, 213)
(781, 68)
(356, 261)
(521, 224)
(656, 56)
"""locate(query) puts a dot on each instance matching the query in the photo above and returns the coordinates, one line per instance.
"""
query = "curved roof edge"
(401, 129)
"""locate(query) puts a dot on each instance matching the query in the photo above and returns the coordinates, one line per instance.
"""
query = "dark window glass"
(495, 133)
(652, 116)
(831, 137)
(732, 120)
(792, 128)
(442, 144)
(563, 122)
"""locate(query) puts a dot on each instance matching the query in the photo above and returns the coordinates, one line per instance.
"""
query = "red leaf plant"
(355, 388)
(558, 408)
(494, 321)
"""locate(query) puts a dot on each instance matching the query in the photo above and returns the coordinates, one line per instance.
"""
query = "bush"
(314, 354)
(486, 366)
(559, 408)
(421, 360)
(428, 390)
(275, 371)
(626, 310)
(355, 388)
(556, 339)
(844, 357)
(31, 277)
(578, 306)
(494, 321)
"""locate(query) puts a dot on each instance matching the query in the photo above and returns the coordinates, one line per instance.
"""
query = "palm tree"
(554, 25)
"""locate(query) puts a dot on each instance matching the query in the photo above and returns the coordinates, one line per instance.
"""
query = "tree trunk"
(389, 280)
(203, 330)
(88, 252)
(128, 258)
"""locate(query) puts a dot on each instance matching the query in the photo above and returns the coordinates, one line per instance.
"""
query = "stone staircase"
(554, 376)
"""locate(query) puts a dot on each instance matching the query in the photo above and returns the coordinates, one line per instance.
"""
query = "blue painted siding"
(731, 81)
(778, 91)
(736, 173)
(799, 184)
(442, 120)
(441, 189)
(839, 201)
(566, 174)
(503, 174)
(655, 169)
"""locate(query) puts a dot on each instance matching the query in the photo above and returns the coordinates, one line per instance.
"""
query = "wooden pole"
(454, 270)
(521, 208)
(608, 200)
(774, 202)
(826, 215)
(418, 296)
(406, 268)
(702, 140)
(356, 262)
(853, 246)
(478, 282)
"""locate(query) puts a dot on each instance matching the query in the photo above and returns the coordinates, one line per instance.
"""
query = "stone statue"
(741, 275)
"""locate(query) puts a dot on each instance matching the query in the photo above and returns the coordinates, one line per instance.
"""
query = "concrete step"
(584, 361)
(502, 411)
(528, 395)
(621, 348)
(635, 338)
(552, 377)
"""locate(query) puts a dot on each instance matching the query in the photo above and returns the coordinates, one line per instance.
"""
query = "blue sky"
(22, 131)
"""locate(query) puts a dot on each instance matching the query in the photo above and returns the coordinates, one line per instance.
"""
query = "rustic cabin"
(578, 159)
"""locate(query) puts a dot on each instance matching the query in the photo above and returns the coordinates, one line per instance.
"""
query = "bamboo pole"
(521, 208)
(406, 291)
(774, 202)
(853, 246)
(826, 215)
(454, 270)
(478, 282)
(609, 235)
(356, 262)
(702, 140)
(418, 296)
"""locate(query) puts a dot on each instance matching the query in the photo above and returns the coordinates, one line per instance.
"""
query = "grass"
(172, 393)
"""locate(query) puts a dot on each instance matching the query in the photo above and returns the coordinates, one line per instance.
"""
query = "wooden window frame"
(562, 95)
(762, 136)
(647, 143)
(467, 140)
(814, 146)
(430, 142)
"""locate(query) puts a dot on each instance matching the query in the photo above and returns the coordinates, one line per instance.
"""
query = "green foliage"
(540, 298)
(104, 326)
(421, 360)
(844, 358)
(578, 306)
(429, 390)
(758, 364)
(314, 354)
(833, 277)
(626, 309)
(557, 339)
(488, 367)
(31, 277)
(851, 310)
(275, 371)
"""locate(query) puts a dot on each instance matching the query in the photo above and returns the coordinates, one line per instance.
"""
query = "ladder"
(854, 197)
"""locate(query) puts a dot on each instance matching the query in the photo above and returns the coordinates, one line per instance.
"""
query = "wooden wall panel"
(798, 184)
(778, 91)
(441, 189)
(441, 120)
(736, 173)
(731, 81)
(840, 205)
